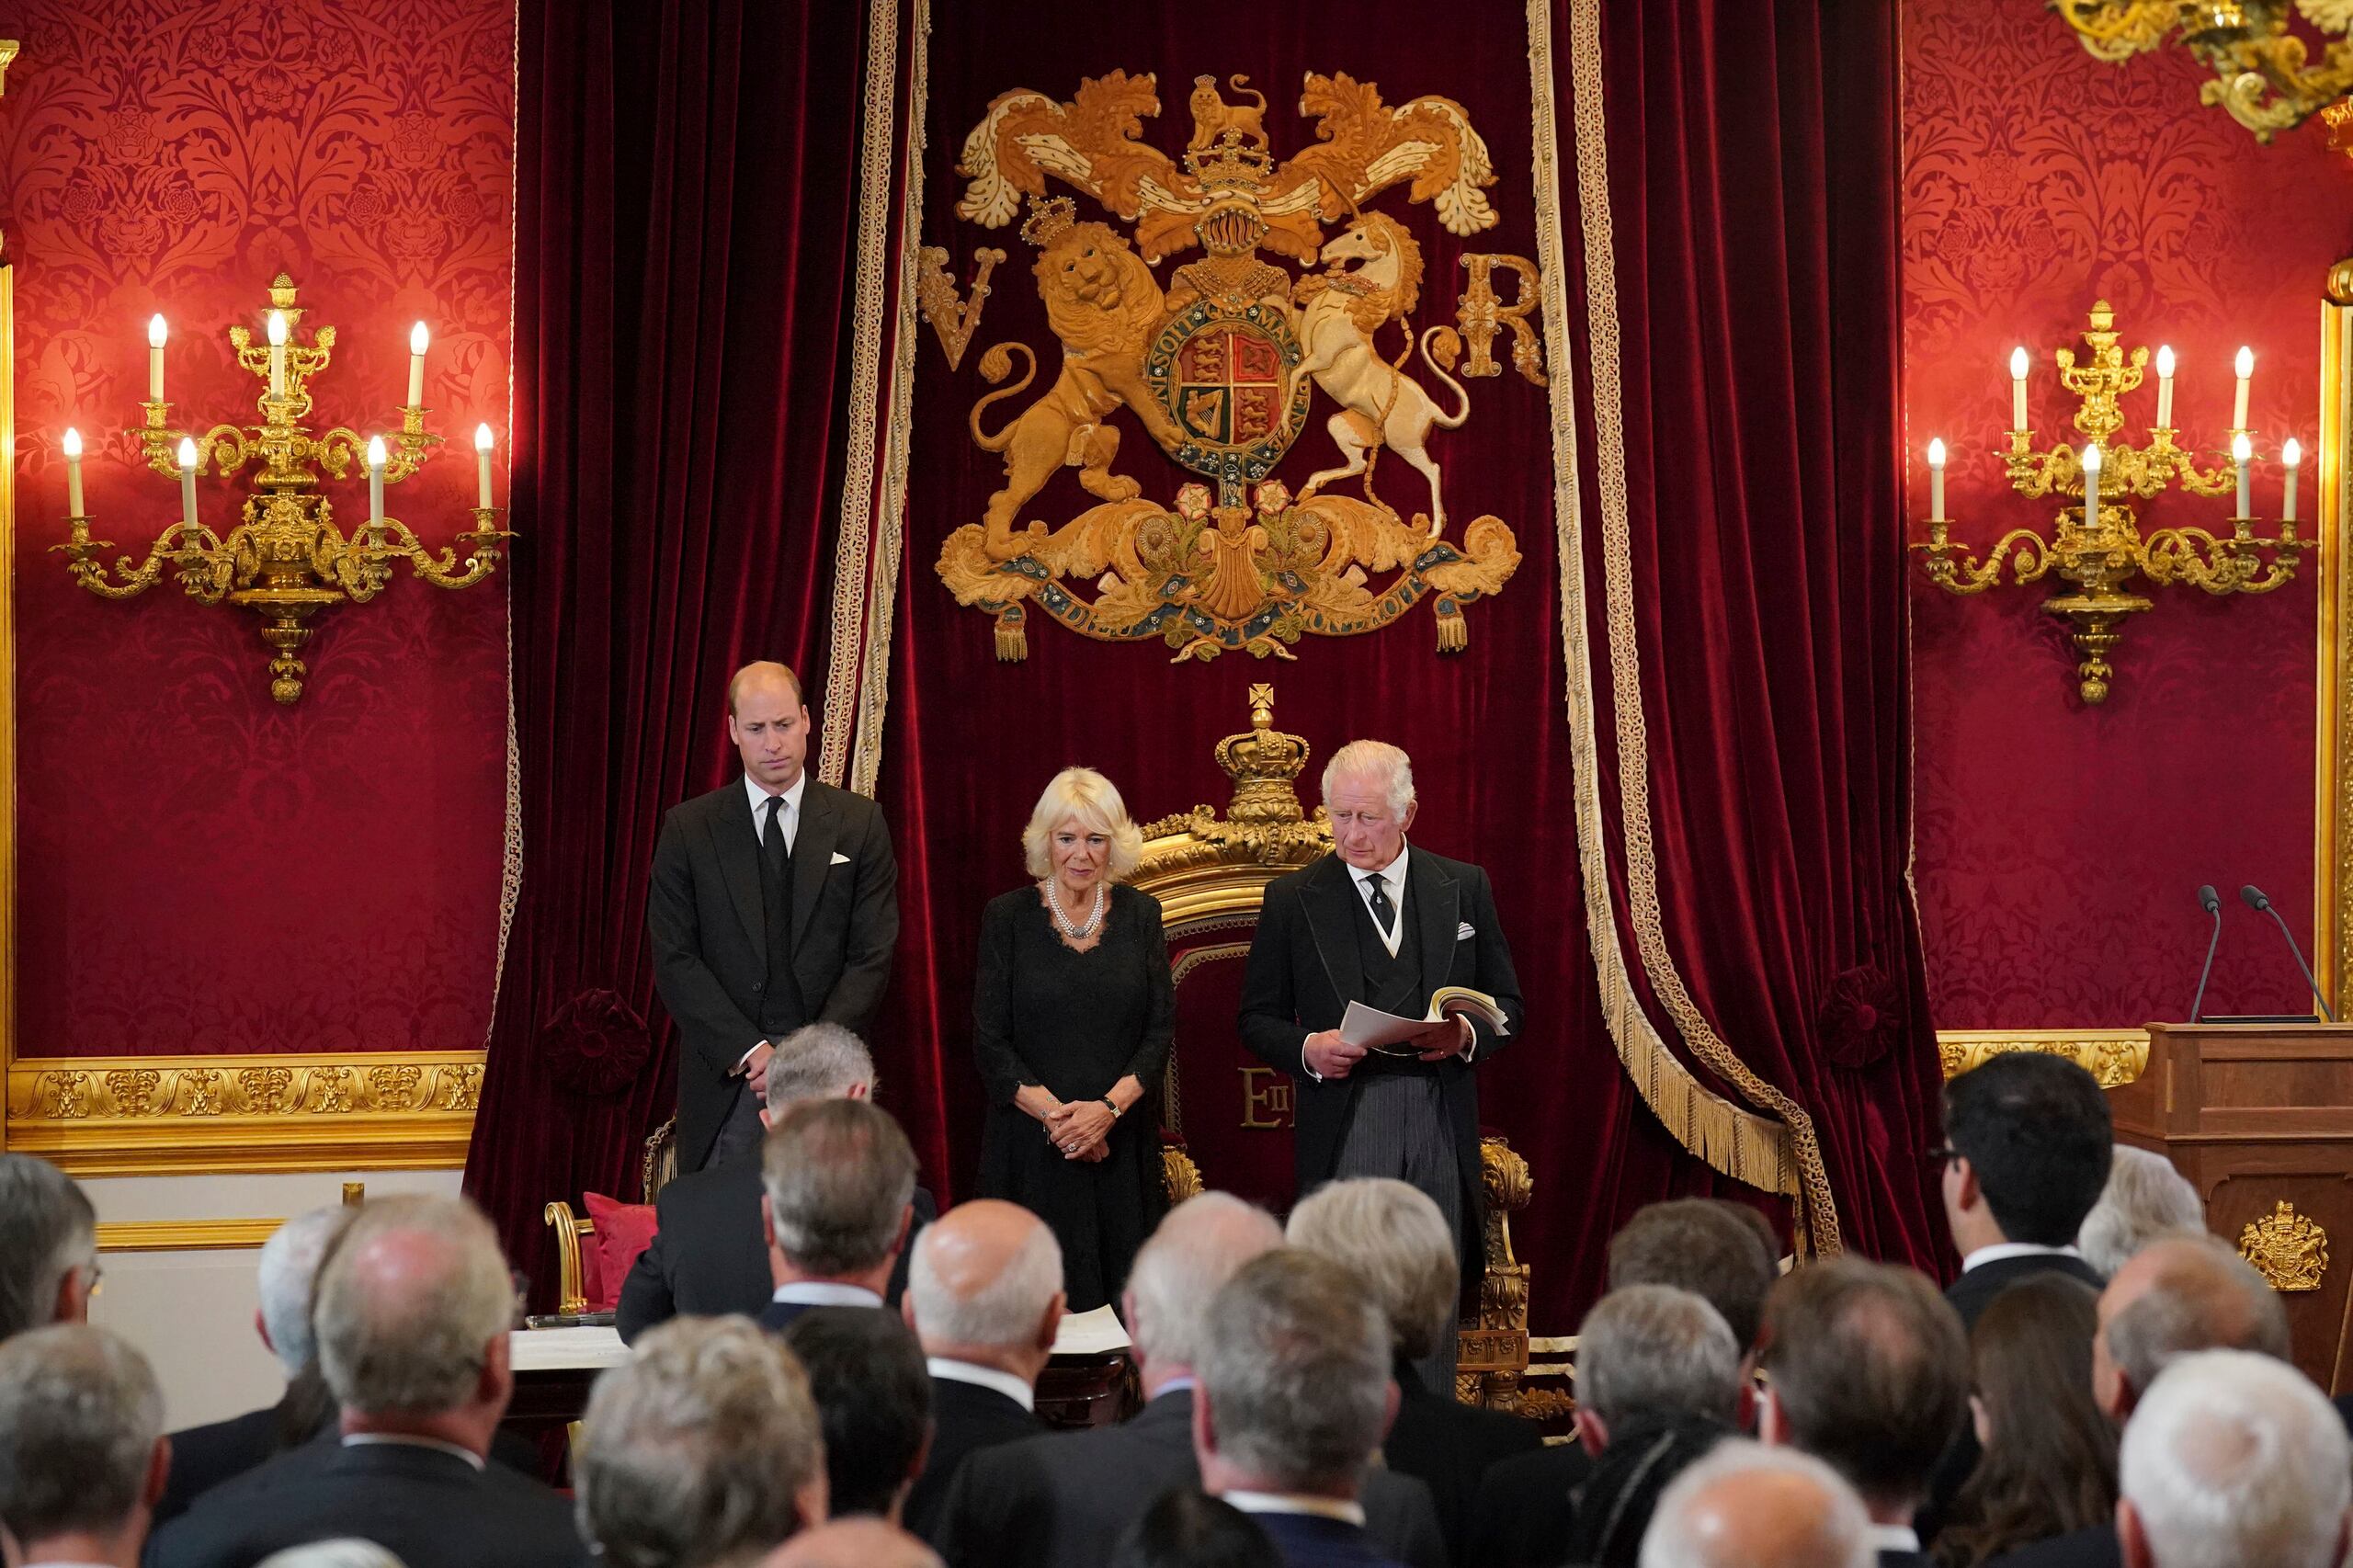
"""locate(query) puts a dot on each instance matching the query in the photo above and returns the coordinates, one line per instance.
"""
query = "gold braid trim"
(838, 717)
(1795, 1135)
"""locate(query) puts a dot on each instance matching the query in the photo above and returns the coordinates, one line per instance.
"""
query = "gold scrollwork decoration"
(955, 318)
(1481, 313)
(2288, 1249)
(2115, 1057)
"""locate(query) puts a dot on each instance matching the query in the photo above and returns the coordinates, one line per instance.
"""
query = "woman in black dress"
(1073, 1011)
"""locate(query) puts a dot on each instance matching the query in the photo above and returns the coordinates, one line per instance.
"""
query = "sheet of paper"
(1097, 1333)
(1374, 1029)
(566, 1349)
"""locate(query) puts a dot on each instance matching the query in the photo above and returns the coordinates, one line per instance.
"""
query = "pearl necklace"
(1075, 933)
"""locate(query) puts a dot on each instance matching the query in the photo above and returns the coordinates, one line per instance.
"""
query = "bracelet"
(1114, 1104)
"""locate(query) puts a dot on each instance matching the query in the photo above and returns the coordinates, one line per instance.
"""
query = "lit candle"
(277, 354)
(2091, 485)
(1935, 481)
(188, 481)
(2018, 388)
(2165, 388)
(155, 332)
(2243, 453)
(375, 479)
(2238, 404)
(2291, 455)
(482, 459)
(417, 339)
(73, 472)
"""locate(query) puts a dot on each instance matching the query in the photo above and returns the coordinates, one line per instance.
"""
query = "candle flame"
(72, 442)
(375, 452)
(2017, 364)
(187, 453)
(2241, 449)
(2091, 459)
(277, 329)
(156, 330)
(483, 438)
(2292, 452)
(2245, 363)
(1936, 453)
(417, 338)
(2165, 361)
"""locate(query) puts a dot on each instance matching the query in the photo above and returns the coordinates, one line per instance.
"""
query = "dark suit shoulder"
(847, 804)
(2095, 1546)
(709, 1190)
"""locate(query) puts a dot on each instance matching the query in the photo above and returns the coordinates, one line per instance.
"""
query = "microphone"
(2255, 900)
(2212, 903)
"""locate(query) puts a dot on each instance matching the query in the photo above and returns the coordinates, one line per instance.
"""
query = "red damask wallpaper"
(2059, 845)
(203, 870)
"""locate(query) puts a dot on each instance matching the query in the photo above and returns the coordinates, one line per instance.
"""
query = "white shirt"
(826, 1293)
(1392, 877)
(1006, 1383)
(410, 1440)
(2001, 1250)
(1894, 1538)
(1297, 1503)
(787, 815)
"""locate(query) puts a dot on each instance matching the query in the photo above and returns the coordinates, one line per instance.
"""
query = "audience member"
(1867, 1369)
(1188, 1529)
(1294, 1400)
(1748, 1507)
(1719, 1251)
(840, 1180)
(2027, 1141)
(332, 1554)
(852, 1543)
(83, 1454)
(708, 1254)
(702, 1450)
(2049, 1464)
(984, 1296)
(1659, 1381)
(2145, 1198)
(1065, 1500)
(2231, 1458)
(49, 1247)
(1390, 1235)
(874, 1401)
(204, 1457)
(413, 1307)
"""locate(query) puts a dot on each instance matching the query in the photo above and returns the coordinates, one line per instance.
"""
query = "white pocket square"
(1465, 931)
(841, 859)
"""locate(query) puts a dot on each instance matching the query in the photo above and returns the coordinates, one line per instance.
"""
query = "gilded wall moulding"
(2116, 1057)
(142, 1115)
(183, 1235)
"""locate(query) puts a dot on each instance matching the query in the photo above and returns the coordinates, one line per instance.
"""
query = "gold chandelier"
(2097, 546)
(2264, 74)
(285, 560)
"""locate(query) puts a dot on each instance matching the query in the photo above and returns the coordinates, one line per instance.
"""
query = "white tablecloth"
(593, 1349)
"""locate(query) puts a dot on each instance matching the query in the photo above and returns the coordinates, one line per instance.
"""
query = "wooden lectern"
(2260, 1117)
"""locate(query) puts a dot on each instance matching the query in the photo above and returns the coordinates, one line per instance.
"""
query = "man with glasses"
(2027, 1141)
(49, 1247)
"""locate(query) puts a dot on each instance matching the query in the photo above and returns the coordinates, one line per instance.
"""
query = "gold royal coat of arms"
(1222, 369)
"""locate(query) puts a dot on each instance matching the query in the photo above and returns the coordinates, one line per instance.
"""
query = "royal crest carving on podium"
(1222, 371)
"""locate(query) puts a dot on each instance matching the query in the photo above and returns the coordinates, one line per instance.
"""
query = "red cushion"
(608, 1253)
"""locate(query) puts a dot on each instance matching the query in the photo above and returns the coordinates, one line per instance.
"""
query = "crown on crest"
(1231, 166)
(1049, 219)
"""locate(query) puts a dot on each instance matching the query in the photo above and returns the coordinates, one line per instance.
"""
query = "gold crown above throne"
(1204, 867)
(1262, 761)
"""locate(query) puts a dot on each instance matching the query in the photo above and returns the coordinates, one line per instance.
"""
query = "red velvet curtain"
(1753, 164)
(686, 181)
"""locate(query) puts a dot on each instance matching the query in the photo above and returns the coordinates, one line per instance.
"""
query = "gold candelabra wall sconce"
(2265, 77)
(2096, 545)
(285, 560)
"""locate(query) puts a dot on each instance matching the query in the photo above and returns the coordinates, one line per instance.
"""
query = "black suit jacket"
(709, 930)
(206, 1456)
(1064, 1500)
(1973, 1292)
(1896, 1557)
(1450, 1446)
(428, 1509)
(709, 1257)
(1303, 972)
(2093, 1546)
(965, 1418)
(1310, 1540)
(1526, 1509)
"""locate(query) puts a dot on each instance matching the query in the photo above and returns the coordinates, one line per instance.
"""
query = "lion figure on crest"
(1104, 304)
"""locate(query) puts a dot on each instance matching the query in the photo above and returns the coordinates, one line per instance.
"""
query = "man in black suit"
(2028, 1142)
(774, 904)
(709, 1255)
(1063, 1501)
(1867, 1370)
(49, 1247)
(985, 1297)
(1387, 925)
(413, 1313)
(83, 1453)
(839, 1180)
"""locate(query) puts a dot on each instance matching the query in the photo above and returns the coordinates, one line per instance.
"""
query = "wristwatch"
(1114, 1104)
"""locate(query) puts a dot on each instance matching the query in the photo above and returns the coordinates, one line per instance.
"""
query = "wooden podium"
(2260, 1117)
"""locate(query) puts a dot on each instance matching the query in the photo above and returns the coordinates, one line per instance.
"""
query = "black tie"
(776, 878)
(772, 843)
(1384, 913)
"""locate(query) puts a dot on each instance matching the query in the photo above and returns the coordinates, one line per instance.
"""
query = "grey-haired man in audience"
(2231, 1458)
(49, 1247)
(83, 1453)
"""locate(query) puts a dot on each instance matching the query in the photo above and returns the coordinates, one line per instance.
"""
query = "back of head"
(47, 1231)
(1294, 1365)
(1870, 1370)
(819, 1061)
(1745, 1506)
(2187, 1293)
(2146, 1197)
(983, 1276)
(839, 1175)
(408, 1302)
(1700, 1245)
(873, 1396)
(1197, 1247)
(2050, 1462)
(2036, 1129)
(346, 1553)
(699, 1449)
(288, 1279)
(2236, 1458)
(1653, 1352)
(852, 1543)
(1390, 1235)
(1185, 1529)
(79, 1416)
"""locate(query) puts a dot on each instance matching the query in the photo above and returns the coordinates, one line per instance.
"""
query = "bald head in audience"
(1202, 1243)
(1745, 1506)
(2176, 1295)
(985, 1287)
(2234, 1459)
(49, 1247)
(853, 1543)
